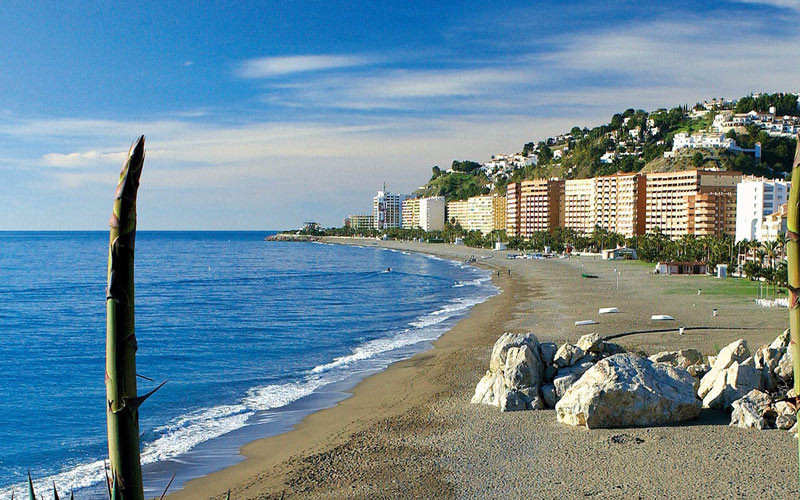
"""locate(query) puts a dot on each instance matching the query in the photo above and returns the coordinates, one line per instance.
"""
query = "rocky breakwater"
(629, 390)
(525, 374)
(293, 237)
(594, 383)
(755, 388)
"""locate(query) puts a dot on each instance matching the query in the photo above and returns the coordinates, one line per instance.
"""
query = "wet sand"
(410, 432)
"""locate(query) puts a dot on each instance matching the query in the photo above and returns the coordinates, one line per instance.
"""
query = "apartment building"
(478, 213)
(711, 214)
(619, 203)
(387, 208)
(579, 205)
(773, 224)
(358, 221)
(431, 213)
(678, 203)
(756, 198)
(535, 205)
(410, 214)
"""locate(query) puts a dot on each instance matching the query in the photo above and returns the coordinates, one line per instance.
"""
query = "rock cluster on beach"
(594, 383)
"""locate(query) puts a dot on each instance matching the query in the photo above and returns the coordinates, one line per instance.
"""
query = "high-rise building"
(478, 213)
(536, 205)
(620, 203)
(711, 214)
(579, 201)
(388, 209)
(411, 213)
(757, 197)
(678, 203)
(458, 213)
(431, 213)
(424, 213)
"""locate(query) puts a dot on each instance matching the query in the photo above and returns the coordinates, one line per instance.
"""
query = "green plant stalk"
(122, 403)
(793, 261)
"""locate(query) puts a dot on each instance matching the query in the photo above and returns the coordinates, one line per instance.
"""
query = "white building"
(773, 225)
(756, 198)
(431, 213)
(387, 208)
(682, 140)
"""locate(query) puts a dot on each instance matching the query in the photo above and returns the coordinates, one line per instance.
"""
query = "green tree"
(698, 159)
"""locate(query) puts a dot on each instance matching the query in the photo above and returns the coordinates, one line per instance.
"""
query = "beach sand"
(410, 432)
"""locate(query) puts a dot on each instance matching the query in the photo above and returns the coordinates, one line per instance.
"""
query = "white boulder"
(734, 352)
(683, 358)
(591, 342)
(514, 379)
(627, 390)
(785, 369)
(568, 355)
(731, 384)
(748, 411)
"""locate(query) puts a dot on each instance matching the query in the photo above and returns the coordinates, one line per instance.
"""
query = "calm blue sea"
(252, 335)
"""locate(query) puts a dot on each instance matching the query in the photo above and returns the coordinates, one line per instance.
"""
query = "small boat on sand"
(587, 275)
(585, 322)
(608, 310)
(661, 317)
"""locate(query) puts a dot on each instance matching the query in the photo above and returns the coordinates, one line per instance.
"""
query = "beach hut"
(500, 246)
(681, 268)
(722, 270)
(621, 253)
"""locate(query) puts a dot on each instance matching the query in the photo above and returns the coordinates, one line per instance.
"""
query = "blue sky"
(261, 115)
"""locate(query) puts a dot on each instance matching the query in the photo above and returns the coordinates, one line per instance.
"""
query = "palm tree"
(771, 251)
(781, 240)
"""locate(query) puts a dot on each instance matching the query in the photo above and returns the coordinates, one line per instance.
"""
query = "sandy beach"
(410, 432)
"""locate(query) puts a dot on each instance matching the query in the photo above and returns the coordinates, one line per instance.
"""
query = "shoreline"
(409, 430)
(255, 449)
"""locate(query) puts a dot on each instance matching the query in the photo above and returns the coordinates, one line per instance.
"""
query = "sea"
(250, 335)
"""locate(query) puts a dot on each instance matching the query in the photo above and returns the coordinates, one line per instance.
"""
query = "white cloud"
(782, 4)
(267, 67)
(186, 64)
(82, 159)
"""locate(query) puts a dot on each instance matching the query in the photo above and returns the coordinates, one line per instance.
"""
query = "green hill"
(632, 141)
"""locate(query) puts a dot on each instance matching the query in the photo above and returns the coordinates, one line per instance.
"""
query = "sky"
(260, 115)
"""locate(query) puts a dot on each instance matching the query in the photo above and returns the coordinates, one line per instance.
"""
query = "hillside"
(634, 141)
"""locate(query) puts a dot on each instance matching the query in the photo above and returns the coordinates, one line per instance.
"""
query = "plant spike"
(31, 493)
(108, 479)
(71, 495)
(116, 494)
(121, 399)
(55, 492)
(793, 269)
(229, 495)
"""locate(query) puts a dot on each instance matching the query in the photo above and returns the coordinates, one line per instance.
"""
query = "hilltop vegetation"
(465, 181)
(632, 141)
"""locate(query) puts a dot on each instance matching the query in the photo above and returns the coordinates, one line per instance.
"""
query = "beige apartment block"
(536, 205)
(673, 205)
(410, 213)
(362, 221)
(620, 203)
(478, 213)
(499, 213)
(579, 205)
(458, 212)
